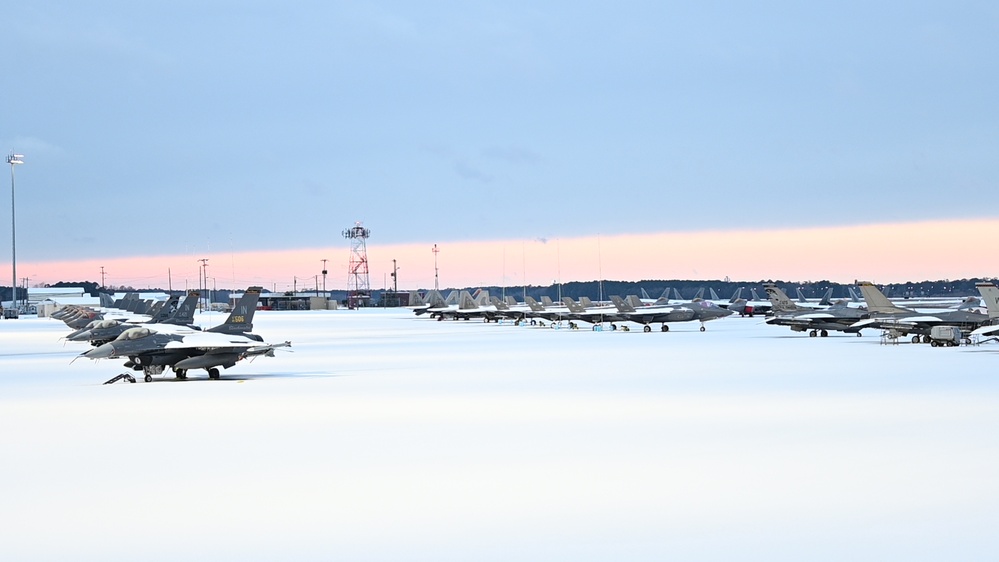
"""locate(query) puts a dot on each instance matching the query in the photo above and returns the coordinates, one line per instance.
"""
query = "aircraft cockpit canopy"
(135, 334)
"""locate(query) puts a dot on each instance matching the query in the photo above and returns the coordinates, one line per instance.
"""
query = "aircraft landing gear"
(824, 334)
(151, 370)
(703, 328)
(647, 329)
(915, 339)
(213, 373)
(665, 328)
(181, 374)
(813, 333)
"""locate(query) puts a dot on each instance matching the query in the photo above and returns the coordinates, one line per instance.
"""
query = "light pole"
(325, 295)
(436, 283)
(204, 284)
(13, 159)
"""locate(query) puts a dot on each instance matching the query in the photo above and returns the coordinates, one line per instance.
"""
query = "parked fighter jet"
(899, 321)
(700, 310)
(647, 315)
(151, 349)
(104, 331)
(839, 316)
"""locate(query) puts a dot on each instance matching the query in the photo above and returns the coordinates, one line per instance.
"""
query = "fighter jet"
(900, 322)
(700, 310)
(839, 316)
(104, 331)
(152, 348)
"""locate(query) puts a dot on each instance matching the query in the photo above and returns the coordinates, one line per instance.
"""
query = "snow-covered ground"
(382, 436)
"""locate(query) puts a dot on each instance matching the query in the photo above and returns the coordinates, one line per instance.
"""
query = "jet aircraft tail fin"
(535, 305)
(779, 299)
(621, 305)
(877, 302)
(415, 299)
(483, 298)
(165, 310)
(990, 296)
(573, 306)
(435, 299)
(240, 320)
(801, 295)
(466, 302)
(185, 312)
(827, 297)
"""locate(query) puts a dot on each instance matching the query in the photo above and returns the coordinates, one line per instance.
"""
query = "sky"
(187, 130)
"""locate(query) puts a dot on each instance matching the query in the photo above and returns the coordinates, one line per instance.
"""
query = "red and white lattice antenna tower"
(358, 283)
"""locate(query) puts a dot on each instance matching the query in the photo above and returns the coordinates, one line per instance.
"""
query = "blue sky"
(165, 128)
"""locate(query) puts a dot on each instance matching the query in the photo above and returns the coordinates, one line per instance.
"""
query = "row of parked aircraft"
(871, 310)
(895, 321)
(164, 335)
(463, 306)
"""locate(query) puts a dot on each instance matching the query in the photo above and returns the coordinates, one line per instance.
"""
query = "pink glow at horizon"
(883, 253)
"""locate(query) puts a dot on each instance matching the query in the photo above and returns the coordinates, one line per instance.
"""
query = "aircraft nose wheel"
(647, 329)
(148, 378)
(703, 328)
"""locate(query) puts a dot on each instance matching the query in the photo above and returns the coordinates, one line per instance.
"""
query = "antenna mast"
(358, 282)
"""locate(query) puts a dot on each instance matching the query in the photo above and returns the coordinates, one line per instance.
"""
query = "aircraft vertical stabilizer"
(779, 299)
(826, 299)
(877, 302)
(240, 320)
(990, 296)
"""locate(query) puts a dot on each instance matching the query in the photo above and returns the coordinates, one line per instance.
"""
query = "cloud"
(513, 154)
(465, 170)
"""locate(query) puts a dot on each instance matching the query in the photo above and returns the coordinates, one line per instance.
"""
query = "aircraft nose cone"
(81, 335)
(100, 352)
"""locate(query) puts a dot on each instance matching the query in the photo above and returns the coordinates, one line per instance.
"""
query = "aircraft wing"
(985, 330)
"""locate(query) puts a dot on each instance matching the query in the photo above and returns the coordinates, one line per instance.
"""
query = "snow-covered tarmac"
(382, 436)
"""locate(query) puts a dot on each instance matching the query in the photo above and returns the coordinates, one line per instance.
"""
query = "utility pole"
(395, 278)
(102, 276)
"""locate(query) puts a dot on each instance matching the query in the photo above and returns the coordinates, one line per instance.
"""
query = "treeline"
(603, 289)
(725, 289)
